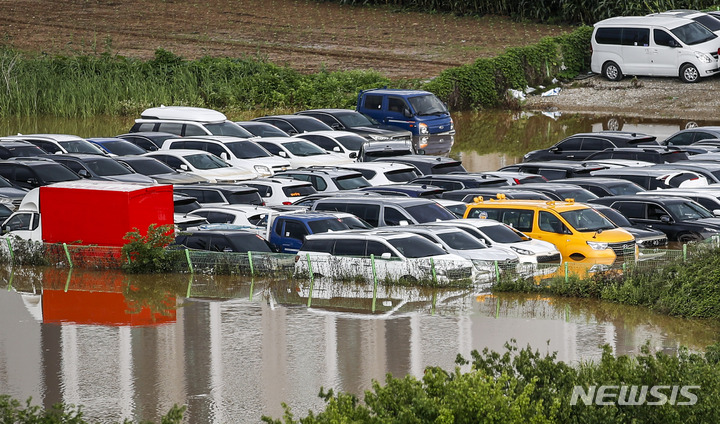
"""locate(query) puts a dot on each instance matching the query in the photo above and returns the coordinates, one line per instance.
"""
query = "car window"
(20, 221)
(272, 148)
(553, 174)
(289, 129)
(570, 144)
(326, 143)
(194, 130)
(416, 247)
(219, 243)
(547, 221)
(350, 182)
(376, 248)
(220, 218)
(654, 212)
(594, 144)
(373, 102)
(279, 226)
(635, 37)
(171, 127)
(394, 216)
(318, 182)
(226, 128)
(196, 242)
(430, 212)
(350, 247)
(368, 213)
(631, 210)
(247, 150)
(324, 245)
(295, 230)
(396, 104)
(325, 225)
(461, 241)
(688, 211)
(662, 38)
(608, 36)
(587, 220)
(399, 175)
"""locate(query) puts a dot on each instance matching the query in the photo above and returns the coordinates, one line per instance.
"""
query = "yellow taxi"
(579, 232)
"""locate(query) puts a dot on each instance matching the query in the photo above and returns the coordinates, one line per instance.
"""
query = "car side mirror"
(673, 43)
(224, 156)
(84, 173)
(403, 222)
(386, 255)
(716, 212)
(406, 113)
(336, 149)
(336, 126)
(353, 155)
(3, 229)
(184, 167)
(282, 154)
(555, 149)
(665, 219)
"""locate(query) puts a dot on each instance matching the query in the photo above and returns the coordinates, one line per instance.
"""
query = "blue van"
(415, 110)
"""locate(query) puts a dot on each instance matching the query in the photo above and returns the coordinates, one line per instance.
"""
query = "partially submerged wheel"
(612, 71)
(689, 73)
(689, 238)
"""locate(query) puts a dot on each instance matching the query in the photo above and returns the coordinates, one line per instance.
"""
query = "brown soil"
(305, 35)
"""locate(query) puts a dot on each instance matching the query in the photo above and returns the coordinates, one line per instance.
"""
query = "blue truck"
(420, 112)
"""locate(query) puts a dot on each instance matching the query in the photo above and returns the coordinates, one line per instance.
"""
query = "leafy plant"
(147, 253)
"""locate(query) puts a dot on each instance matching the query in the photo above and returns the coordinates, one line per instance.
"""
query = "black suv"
(354, 121)
(641, 154)
(295, 124)
(650, 177)
(555, 170)
(645, 237)
(14, 148)
(682, 220)
(460, 181)
(429, 164)
(32, 173)
(558, 191)
(221, 194)
(100, 168)
(602, 187)
(580, 146)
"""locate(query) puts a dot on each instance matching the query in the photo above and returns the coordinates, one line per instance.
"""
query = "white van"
(654, 46)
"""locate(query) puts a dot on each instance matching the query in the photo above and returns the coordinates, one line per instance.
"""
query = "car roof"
(216, 138)
(641, 197)
(330, 171)
(329, 111)
(539, 204)
(376, 165)
(601, 181)
(368, 233)
(650, 171)
(328, 133)
(399, 201)
(666, 21)
(51, 137)
(396, 91)
(177, 152)
(279, 180)
(557, 164)
(148, 134)
(219, 187)
(183, 113)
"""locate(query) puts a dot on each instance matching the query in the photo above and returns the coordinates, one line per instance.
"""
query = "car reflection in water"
(434, 144)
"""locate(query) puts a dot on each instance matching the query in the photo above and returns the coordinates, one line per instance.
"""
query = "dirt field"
(306, 35)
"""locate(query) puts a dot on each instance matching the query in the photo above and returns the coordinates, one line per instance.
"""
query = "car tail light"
(516, 181)
(287, 203)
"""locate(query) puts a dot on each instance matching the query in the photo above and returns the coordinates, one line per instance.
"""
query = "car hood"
(226, 174)
(178, 178)
(643, 233)
(707, 222)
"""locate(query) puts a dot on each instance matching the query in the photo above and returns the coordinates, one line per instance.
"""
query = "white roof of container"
(183, 113)
(101, 185)
(657, 20)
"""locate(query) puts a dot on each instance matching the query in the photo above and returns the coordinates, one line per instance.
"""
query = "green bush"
(148, 253)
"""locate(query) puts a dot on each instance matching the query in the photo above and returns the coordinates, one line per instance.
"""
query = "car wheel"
(689, 73)
(612, 71)
(688, 238)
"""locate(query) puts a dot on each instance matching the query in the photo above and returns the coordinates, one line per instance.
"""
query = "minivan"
(654, 46)
(417, 111)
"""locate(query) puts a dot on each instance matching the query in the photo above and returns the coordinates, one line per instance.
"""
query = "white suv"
(281, 191)
(187, 121)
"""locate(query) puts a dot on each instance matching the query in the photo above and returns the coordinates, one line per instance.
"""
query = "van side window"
(394, 216)
(661, 37)
(551, 223)
(350, 247)
(373, 102)
(521, 220)
(322, 245)
(171, 127)
(608, 35)
(370, 213)
(635, 36)
(396, 104)
(631, 210)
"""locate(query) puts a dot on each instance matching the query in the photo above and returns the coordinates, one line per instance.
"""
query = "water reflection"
(131, 346)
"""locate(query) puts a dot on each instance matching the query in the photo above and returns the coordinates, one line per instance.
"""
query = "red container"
(101, 213)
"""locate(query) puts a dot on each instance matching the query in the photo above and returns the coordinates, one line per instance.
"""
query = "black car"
(691, 135)
(641, 154)
(12, 191)
(295, 124)
(645, 236)
(602, 187)
(354, 121)
(224, 241)
(148, 140)
(429, 164)
(460, 181)
(31, 173)
(558, 191)
(649, 177)
(158, 171)
(468, 195)
(13, 149)
(580, 146)
(407, 190)
(101, 168)
(262, 129)
(555, 170)
(682, 220)
(207, 194)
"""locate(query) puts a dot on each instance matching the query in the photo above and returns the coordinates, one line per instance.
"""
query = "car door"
(663, 57)
(551, 228)
(635, 48)
(639, 213)
(568, 149)
(293, 235)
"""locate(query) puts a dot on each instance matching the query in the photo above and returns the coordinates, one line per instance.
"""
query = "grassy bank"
(680, 287)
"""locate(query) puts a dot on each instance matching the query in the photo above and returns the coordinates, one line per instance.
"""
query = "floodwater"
(233, 349)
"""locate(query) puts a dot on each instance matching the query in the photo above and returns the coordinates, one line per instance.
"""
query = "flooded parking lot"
(235, 349)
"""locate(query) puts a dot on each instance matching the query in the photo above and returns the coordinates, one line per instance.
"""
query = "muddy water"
(234, 349)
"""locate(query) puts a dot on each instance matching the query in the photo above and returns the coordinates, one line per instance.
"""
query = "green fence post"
(252, 270)
(252, 285)
(567, 277)
(67, 281)
(189, 262)
(432, 268)
(189, 286)
(67, 253)
(624, 267)
(497, 307)
(12, 255)
(12, 274)
(684, 252)
(434, 302)
(375, 282)
(312, 280)
(497, 272)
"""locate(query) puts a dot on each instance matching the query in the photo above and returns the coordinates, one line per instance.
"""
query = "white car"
(239, 152)
(60, 143)
(246, 217)
(497, 234)
(203, 164)
(279, 191)
(301, 153)
(383, 173)
(347, 254)
(344, 142)
(187, 121)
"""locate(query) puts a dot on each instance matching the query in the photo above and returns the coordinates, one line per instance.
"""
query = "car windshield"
(355, 223)
(303, 148)
(616, 217)
(54, 172)
(619, 189)
(186, 206)
(206, 161)
(416, 247)
(123, 148)
(106, 167)
(461, 241)
(244, 198)
(351, 182)
(325, 225)
(263, 129)
(688, 211)
(712, 23)
(81, 146)
(351, 142)
(150, 167)
(228, 128)
(247, 150)
(307, 124)
(354, 119)
(427, 104)
(693, 33)
(29, 151)
(579, 194)
(586, 220)
(430, 212)
(502, 234)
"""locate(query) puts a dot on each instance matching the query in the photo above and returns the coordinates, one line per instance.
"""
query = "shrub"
(147, 253)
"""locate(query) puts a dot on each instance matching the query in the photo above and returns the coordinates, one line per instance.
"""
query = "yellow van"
(579, 232)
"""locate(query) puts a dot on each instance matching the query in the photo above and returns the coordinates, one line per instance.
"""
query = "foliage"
(523, 386)
(147, 253)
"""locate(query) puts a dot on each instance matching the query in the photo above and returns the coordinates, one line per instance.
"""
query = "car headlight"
(452, 125)
(262, 169)
(378, 137)
(704, 57)
(595, 245)
(520, 251)
(423, 129)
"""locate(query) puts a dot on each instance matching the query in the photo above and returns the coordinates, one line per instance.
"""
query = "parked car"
(708, 197)
(262, 129)
(708, 21)
(602, 187)
(578, 147)
(220, 194)
(238, 152)
(381, 173)
(117, 146)
(32, 173)
(187, 121)
(295, 124)
(645, 236)
(59, 143)
(708, 169)
(408, 190)
(159, 171)
(224, 241)
(559, 191)
(397, 256)
(429, 164)
(555, 170)
(578, 231)
(419, 112)
(385, 210)
(460, 181)
(514, 177)
(355, 122)
(202, 164)
(18, 148)
(100, 168)
(682, 220)
(281, 191)
(308, 201)
(248, 217)
(651, 178)
(455, 206)
(148, 140)
(644, 154)
(341, 142)
(469, 195)
(688, 136)
(288, 231)
(328, 179)
(301, 153)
